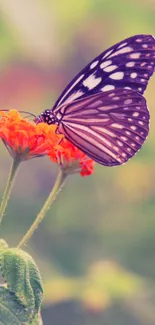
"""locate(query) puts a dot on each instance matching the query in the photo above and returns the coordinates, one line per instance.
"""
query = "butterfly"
(102, 110)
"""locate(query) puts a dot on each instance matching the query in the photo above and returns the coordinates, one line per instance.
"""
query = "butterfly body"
(47, 117)
(102, 111)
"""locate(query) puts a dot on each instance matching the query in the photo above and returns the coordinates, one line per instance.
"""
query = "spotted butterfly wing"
(109, 127)
(101, 111)
(127, 64)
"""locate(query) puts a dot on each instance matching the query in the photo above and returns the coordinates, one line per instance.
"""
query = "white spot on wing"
(141, 123)
(130, 64)
(135, 55)
(143, 64)
(111, 95)
(145, 46)
(139, 40)
(124, 138)
(126, 49)
(123, 44)
(110, 68)
(117, 75)
(105, 64)
(135, 114)
(93, 65)
(120, 143)
(133, 127)
(116, 98)
(91, 82)
(133, 75)
(128, 101)
(108, 53)
(108, 87)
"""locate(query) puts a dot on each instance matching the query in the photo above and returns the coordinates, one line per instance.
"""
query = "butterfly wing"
(128, 64)
(109, 127)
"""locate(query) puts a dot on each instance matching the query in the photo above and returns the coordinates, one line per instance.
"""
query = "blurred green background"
(96, 247)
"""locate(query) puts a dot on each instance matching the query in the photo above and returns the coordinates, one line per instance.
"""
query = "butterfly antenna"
(29, 114)
(23, 112)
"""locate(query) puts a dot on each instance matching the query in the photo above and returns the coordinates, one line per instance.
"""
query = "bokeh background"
(96, 247)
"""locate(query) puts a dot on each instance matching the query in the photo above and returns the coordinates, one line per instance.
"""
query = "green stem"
(55, 191)
(9, 185)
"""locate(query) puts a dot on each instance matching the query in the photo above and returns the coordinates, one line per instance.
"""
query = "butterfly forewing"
(127, 64)
(109, 127)
(102, 111)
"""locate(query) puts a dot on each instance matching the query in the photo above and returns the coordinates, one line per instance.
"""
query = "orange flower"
(71, 159)
(25, 140)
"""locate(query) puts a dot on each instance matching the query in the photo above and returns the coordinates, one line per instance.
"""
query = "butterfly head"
(46, 117)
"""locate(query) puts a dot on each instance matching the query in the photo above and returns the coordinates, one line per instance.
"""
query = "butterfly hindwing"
(128, 64)
(109, 127)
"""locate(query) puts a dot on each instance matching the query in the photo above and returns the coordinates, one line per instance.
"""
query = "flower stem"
(9, 185)
(52, 196)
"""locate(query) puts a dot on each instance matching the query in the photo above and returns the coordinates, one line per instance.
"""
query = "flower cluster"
(72, 159)
(25, 140)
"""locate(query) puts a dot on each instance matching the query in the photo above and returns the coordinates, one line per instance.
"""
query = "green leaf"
(37, 320)
(11, 311)
(23, 279)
